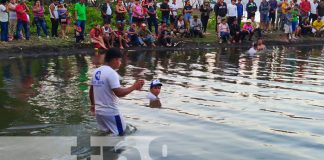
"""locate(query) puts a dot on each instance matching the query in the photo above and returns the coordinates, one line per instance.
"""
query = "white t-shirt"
(173, 8)
(54, 11)
(251, 51)
(313, 7)
(104, 79)
(12, 14)
(232, 10)
(108, 11)
(151, 97)
(3, 14)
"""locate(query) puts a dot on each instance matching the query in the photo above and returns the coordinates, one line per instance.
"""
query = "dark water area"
(215, 103)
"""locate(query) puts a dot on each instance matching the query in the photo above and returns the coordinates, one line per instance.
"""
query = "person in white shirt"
(105, 91)
(253, 50)
(173, 13)
(231, 12)
(155, 89)
(106, 12)
(4, 21)
(313, 11)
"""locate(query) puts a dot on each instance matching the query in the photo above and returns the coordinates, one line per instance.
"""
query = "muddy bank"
(56, 47)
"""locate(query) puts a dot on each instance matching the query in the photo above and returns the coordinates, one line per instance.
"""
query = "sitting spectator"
(96, 37)
(121, 36)
(164, 35)
(247, 30)
(146, 35)
(223, 31)
(196, 27)
(181, 26)
(256, 27)
(133, 36)
(318, 27)
(235, 32)
(108, 36)
(305, 27)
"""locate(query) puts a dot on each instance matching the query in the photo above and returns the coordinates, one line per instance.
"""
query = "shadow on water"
(48, 96)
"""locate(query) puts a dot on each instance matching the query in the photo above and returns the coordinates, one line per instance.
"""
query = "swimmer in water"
(155, 89)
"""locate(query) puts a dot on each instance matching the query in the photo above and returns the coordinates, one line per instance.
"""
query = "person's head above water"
(155, 87)
(113, 58)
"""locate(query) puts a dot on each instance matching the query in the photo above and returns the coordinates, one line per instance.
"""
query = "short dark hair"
(113, 53)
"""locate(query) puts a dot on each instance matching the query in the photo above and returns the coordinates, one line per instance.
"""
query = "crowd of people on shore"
(146, 28)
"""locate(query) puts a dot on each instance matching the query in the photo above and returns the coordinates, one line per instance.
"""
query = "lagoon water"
(216, 104)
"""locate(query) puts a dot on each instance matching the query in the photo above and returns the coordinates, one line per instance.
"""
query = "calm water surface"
(216, 104)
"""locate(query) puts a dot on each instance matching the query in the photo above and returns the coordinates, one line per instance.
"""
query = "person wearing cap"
(318, 27)
(22, 11)
(288, 24)
(153, 95)
(196, 27)
(145, 35)
(80, 16)
(105, 90)
(205, 10)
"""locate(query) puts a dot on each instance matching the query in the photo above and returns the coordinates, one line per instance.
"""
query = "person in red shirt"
(305, 7)
(22, 19)
(96, 37)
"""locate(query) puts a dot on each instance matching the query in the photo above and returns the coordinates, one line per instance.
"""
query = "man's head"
(233, 1)
(195, 17)
(107, 1)
(319, 18)
(143, 26)
(155, 87)
(113, 57)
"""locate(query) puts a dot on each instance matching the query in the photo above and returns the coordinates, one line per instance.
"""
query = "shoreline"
(46, 47)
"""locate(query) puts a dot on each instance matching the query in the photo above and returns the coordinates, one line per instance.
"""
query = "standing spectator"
(304, 7)
(187, 11)
(80, 16)
(106, 12)
(223, 31)
(232, 12)
(165, 9)
(4, 21)
(63, 14)
(196, 26)
(313, 13)
(320, 10)
(272, 12)
(288, 26)
(173, 13)
(22, 19)
(12, 19)
(240, 9)
(220, 10)
(264, 9)
(138, 15)
(280, 17)
(205, 10)
(120, 12)
(235, 32)
(54, 18)
(152, 20)
(39, 18)
(284, 7)
(251, 8)
(294, 20)
(130, 11)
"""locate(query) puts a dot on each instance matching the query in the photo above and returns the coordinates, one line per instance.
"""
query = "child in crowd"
(108, 36)
(223, 31)
(155, 89)
(77, 31)
(288, 25)
(235, 31)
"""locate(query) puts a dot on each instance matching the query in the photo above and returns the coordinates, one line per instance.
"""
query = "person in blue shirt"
(251, 8)
(239, 11)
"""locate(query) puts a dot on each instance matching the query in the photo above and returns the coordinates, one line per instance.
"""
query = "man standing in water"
(105, 90)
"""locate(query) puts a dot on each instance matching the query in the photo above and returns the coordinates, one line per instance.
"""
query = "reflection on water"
(215, 102)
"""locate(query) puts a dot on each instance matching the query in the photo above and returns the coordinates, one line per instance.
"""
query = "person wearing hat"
(105, 90)
(205, 10)
(247, 29)
(196, 27)
(155, 89)
(22, 20)
(145, 35)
